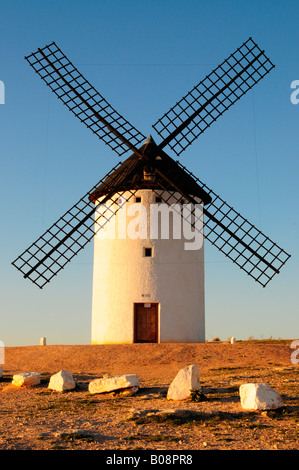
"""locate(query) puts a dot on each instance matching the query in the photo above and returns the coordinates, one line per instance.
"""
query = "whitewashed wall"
(173, 277)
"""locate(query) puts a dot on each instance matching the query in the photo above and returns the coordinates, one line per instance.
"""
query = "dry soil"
(37, 418)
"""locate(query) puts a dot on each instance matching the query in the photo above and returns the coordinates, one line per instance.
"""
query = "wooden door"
(146, 323)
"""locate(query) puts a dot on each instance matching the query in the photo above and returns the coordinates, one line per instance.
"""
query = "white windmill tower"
(148, 281)
(150, 288)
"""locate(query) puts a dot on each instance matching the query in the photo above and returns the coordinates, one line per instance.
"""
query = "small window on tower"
(158, 199)
(138, 199)
(148, 252)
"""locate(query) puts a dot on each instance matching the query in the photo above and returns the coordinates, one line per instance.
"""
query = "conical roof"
(155, 170)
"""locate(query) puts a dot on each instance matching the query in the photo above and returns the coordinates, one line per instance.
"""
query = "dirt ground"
(37, 418)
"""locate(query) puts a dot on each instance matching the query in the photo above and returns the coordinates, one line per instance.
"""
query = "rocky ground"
(37, 418)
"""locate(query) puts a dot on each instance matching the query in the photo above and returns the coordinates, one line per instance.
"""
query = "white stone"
(187, 379)
(61, 381)
(118, 382)
(233, 340)
(259, 396)
(42, 341)
(26, 379)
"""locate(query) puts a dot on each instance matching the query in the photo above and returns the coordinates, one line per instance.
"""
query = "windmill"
(147, 290)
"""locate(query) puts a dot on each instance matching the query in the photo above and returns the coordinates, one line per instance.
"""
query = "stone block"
(62, 381)
(118, 382)
(26, 379)
(259, 396)
(187, 379)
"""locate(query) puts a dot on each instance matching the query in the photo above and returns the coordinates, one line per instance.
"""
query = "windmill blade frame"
(235, 236)
(55, 248)
(214, 95)
(83, 100)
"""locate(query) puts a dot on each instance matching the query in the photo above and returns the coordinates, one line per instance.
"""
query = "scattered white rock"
(61, 381)
(187, 379)
(233, 340)
(26, 379)
(259, 396)
(118, 382)
(43, 341)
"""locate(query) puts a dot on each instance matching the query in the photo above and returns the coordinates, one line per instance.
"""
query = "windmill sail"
(235, 236)
(208, 100)
(70, 234)
(83, 100)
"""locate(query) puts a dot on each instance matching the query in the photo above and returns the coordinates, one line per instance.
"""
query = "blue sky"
(143, 56)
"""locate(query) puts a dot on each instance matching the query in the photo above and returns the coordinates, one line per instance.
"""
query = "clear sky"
(143, 56)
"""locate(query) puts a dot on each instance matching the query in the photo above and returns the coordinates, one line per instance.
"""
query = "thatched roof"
(130, 175)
